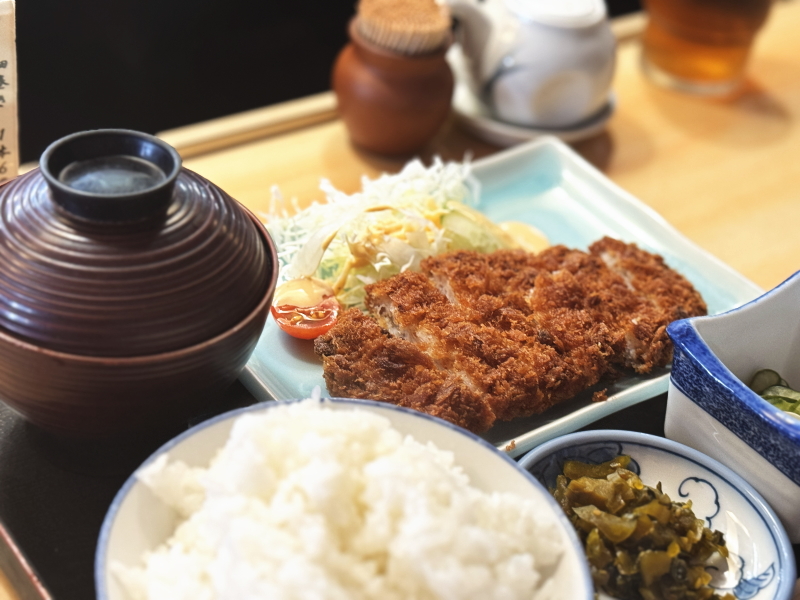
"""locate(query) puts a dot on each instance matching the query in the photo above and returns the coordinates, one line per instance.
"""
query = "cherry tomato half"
(309, 322)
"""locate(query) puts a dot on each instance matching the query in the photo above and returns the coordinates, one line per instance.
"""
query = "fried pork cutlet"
(364, 361)
(475, 338)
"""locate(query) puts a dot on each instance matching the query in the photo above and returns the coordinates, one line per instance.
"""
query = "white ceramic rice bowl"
(137, 521)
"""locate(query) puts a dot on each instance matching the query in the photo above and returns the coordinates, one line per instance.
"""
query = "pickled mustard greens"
(773, 388)
(640, 544)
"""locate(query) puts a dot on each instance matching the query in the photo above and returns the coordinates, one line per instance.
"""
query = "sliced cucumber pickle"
(790, 408)
(763, 379)
(778, 391)
(773, 388)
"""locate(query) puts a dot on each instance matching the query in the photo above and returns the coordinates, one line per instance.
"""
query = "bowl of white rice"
(332, 499)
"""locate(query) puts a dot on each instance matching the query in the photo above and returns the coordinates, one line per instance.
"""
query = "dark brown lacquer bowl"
(130, 288)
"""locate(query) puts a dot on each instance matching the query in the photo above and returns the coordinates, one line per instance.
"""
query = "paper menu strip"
(9, 132)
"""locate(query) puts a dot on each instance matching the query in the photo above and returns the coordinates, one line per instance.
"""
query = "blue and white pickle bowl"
(760, 564)
(711, 409)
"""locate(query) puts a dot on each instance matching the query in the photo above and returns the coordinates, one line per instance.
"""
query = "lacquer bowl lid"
(111, 248)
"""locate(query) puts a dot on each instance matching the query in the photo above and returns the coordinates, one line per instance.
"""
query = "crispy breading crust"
(363, 361)
(476, 338)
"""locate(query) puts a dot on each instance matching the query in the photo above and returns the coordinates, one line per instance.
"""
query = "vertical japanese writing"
(6, 155)
(4, 172)
(9, 141)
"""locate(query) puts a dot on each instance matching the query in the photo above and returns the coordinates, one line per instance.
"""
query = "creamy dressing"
(525, 236)
(303, 292)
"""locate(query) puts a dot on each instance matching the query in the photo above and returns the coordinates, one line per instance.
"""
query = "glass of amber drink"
(700, 46)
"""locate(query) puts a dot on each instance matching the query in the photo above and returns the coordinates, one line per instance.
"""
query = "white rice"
(306, 502)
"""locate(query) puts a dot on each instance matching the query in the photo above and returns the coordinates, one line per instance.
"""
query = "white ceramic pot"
(538, 63)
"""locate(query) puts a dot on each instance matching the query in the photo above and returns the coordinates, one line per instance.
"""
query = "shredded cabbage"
(389, 227)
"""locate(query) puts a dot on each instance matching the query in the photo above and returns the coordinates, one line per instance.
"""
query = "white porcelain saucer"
(474, 116)
(475, 119)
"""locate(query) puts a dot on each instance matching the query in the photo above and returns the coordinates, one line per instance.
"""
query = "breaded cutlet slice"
(648, 274)
(493, 347)
(664, 296)
(633, 292)
(631, 319)
(534, 294)
(361, 360)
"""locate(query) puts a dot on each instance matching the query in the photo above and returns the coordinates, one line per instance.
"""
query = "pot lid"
(110, 248)
(563, 13)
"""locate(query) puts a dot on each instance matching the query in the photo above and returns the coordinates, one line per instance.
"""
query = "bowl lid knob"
(113, 175)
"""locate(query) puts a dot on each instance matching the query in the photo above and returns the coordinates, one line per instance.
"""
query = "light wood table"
(6, 590)
(726, 173)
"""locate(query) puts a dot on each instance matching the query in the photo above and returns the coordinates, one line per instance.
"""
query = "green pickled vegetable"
(780, 391)
(773, 388)
(615, 529)
(639, 543)
(765, 378)
(574, 469)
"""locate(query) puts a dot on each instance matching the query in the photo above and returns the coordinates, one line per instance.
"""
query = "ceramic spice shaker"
(392, 82)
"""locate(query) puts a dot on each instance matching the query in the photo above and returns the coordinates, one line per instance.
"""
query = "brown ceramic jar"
(391, 103)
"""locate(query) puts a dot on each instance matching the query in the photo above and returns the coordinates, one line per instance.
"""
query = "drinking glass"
(700, 46)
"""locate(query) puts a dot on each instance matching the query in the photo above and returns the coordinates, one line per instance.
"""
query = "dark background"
(157, 64)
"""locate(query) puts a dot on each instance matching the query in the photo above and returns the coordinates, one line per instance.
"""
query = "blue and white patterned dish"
(761, 563)
(710, 408)
(548, 185)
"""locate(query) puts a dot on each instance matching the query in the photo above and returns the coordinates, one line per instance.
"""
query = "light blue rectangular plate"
(546, 184)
